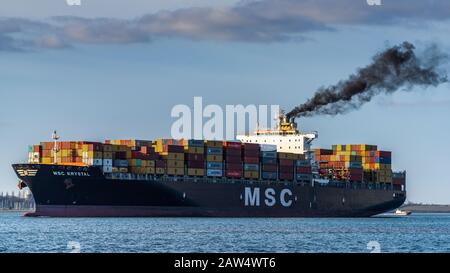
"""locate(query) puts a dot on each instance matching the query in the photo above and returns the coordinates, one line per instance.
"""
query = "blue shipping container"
(214, 151)
(251, 167)
(269, 175)
(196, 143)
(304, 176)
(265, 160)
(214, 173)
(303, 163)
(214, 165)
(269, 154)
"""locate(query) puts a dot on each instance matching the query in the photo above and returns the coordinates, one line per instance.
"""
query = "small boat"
(400, 212)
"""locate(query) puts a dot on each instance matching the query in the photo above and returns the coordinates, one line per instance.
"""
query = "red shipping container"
(269, 167)
(37, 148)
(136, 155)
(195, 157)
(251, 160)
(385, 154)
(66, 145)
(304, 170)
(233, 174)
(355, 177)
(233, 152)
(398, 181)
(175, 149)
(286, 169)
(319, 152)
(147, 150)
(196, 164)
(120, 155)
(251, 147)
(286, 162)
(356, 171)
(237, 167)
(153, 156)
(251, 153)
(160, 164)
(232, 144)
(286, 176)
(233, 159)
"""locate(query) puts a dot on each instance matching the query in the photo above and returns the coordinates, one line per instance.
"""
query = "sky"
(115, 69)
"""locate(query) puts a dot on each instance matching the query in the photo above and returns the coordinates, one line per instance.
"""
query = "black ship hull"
(70, 191)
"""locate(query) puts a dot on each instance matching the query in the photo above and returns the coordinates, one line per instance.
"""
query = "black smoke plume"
(391, 70)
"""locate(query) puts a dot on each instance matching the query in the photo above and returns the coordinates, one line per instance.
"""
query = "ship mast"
(55, 138)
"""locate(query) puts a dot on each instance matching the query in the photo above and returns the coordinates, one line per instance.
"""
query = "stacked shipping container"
(233, 159)
(219, 159)
(214, 158)
(355, 163)
(251, 160)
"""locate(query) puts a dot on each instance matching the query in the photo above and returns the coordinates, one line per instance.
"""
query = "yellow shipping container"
(107, 155)
(195, 150)
(47, 160)
(214, 158)
(151, 163)
(214, 144)
(175, 156)
(160, 171)
(175, 163)
(108, 148)
(251, 174)
(196, 172)
(175, 171)
(149, 170)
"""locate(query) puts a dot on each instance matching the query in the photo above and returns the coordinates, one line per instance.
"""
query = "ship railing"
(166, 178)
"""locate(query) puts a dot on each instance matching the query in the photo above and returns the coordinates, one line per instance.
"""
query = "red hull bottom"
(142, 211)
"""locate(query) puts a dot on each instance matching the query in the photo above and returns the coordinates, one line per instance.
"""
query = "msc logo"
(27, 172)
(73, 2)
(252, 197)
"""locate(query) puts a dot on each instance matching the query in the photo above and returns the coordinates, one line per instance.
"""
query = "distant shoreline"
(14, 210)
(420, 208)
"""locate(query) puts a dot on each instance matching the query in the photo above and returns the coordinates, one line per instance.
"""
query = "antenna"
(55, 138)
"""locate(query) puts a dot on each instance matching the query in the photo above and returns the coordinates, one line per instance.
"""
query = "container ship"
(272, 173)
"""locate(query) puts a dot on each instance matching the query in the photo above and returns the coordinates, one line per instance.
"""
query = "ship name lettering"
(252, 197)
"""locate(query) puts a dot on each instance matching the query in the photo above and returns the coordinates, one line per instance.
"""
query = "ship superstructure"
(285, 136)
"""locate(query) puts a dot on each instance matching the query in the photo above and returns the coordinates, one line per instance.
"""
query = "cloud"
(262, 21)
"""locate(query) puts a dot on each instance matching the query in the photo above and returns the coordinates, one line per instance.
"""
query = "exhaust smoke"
(393, 69)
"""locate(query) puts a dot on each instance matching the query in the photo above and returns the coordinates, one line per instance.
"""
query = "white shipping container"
(268, 148)
(107, 169)
(88, 161)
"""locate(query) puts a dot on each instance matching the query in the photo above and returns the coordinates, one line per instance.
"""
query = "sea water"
(415, 233)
